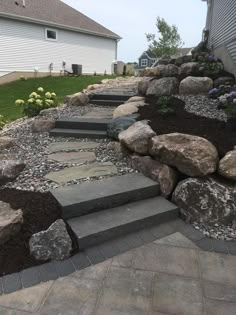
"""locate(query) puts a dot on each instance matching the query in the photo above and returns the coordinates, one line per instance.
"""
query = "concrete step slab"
(103, 102)
(72, 146)
(82, 123)
(98, 227)
(111, 96)
(78, 200)
(78, 133)
(79, 172)
(72, 157)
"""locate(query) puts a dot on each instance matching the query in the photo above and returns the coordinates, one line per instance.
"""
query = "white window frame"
(52, 30)
(144, 62)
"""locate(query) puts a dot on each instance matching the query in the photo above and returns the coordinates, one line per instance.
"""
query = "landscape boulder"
(10, 222)
(195, 85)
(42, 125)
(137, 137)
(128, 109)
(189, 69)
(54, 243)
(163, 71)
(10, 169)
(161, 173)
(163, 87)
(206, 200)
(78, 99)
(6, 142)
(227, 166)
(120, 124)
(191, 155)
(48, 112)
(136, 99)
(143, 86)
(224, 81)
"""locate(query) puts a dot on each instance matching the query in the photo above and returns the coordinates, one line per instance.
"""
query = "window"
(51, 34)
(144, 62)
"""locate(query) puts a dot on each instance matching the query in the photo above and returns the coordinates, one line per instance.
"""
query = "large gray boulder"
(6, 142)
(161, 173)
(143, 86)
(54, 243)
(128, 108)
(42, 125)
(163, 71)
(227, 166)
(195, 85)
(163, 87)
(224, 81)
(137, 137)
(191, 155)
(10, 169)
(136, 99)
(189, 69)
(10, 222)
(78, 99)
(120, 124)
(206, 200)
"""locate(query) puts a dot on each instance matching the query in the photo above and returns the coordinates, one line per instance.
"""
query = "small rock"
(48, 111)
(136, 99)
(10, 222)
(54, 243)
(6, 142)
(78, 99)
(227, 166)
(120, 124)
(42, 125)
(128, 109)
(10, 169)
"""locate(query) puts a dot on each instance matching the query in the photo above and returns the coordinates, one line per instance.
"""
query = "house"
(221, 31)
(39, 36)
(147, 59)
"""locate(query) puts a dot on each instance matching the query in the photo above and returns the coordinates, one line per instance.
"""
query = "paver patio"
(168, 276)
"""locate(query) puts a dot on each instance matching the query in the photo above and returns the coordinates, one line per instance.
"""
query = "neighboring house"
(183, 52)
(221, 30)
(147, 59)
(38, 34)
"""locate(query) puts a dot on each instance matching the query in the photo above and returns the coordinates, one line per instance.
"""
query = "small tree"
(168, 42)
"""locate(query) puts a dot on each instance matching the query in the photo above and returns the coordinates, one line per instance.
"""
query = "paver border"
(94, 255)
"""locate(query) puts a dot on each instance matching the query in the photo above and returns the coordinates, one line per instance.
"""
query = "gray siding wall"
(222, 22)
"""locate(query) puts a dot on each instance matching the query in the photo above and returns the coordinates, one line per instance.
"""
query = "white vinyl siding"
(222, 22)
(24, 47)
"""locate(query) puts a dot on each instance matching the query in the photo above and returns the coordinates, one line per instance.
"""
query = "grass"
(62, 86)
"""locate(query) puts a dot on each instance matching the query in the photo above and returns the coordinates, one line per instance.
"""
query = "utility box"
(77, 69)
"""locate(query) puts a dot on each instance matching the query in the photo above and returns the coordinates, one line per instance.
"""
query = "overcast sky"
(131, 19)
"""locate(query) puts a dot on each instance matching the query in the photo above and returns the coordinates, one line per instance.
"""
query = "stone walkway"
(167, 276)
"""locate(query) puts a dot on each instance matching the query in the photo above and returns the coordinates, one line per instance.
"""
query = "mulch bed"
(184, 122)
(40, 211)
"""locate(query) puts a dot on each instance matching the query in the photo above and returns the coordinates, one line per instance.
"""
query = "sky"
(131, 19)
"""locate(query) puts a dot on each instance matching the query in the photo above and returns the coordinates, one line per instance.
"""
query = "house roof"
(149, 54)
(184, 51)
(53, 13)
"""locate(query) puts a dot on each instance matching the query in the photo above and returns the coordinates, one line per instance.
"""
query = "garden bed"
(40, 210)
(189, 123)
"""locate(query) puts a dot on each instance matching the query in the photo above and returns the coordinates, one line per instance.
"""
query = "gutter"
(61, 26)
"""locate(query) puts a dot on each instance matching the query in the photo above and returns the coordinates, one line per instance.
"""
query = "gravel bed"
(217, 231)
(33, 147)
(203, 106)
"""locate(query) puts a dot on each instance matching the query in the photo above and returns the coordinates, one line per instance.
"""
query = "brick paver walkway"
(167, 276)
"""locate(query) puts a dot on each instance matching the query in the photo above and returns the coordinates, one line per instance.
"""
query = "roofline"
(145, 52)
(62, 26)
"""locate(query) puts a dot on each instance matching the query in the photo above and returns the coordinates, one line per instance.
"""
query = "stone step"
(78, 133)
(82, 123)
(110, 96)
(98, 227)
(78, 200)
(103, 102)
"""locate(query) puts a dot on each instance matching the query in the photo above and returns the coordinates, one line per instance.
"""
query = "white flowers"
(19, 102)
(48, 95)
(40, 89)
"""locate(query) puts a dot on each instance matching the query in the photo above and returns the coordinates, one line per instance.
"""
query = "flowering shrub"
(37, 101)
(2, 122)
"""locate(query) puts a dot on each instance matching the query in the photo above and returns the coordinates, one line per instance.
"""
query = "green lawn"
(62, 86)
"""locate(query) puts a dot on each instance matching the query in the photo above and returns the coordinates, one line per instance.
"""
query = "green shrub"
(230, 110)
(163, 105)
(37, 101)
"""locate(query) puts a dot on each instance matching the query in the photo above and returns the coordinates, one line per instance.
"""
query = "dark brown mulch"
(184, 122)
(40, 211)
